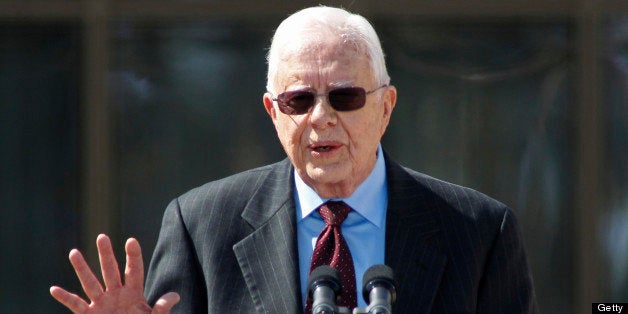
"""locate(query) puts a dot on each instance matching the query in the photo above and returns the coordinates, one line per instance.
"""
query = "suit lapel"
(411, 237)
(268, 256)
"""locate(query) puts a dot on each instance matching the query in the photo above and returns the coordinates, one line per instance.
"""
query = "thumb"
(165, 303)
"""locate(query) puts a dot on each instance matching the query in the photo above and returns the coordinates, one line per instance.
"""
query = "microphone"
(379, 289)
(323, 286)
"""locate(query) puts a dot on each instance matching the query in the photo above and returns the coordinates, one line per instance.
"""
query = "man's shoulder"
(452, 197)
(237, 186)
(443, 187)
(456, 208)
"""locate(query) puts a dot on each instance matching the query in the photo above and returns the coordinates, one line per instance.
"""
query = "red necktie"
(331, 249)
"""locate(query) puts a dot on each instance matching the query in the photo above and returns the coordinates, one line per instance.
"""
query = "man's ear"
(390, 100)
(268, 105)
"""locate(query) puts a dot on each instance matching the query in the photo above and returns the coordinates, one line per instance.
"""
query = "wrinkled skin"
(332, 151)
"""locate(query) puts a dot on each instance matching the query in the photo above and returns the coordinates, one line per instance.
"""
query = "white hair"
(315, 22)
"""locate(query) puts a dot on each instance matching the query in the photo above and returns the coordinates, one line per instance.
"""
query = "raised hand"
(116, 297)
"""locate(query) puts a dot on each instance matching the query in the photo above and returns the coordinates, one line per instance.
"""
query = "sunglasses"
(341, 99)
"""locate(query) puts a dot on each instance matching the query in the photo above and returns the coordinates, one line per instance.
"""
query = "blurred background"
(109, 109)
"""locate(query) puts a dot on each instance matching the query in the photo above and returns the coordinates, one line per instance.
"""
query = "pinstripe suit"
(230, 247)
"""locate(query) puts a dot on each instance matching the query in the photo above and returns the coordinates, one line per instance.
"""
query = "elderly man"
(247, 243)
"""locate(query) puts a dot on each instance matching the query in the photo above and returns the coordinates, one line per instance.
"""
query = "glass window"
(187, 108)
(39, 163)
(613, 228)
(490, 105)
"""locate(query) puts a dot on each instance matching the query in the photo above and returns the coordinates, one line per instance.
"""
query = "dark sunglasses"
(341, 99)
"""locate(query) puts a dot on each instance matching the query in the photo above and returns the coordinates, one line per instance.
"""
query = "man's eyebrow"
(341, 83)
(298, 87)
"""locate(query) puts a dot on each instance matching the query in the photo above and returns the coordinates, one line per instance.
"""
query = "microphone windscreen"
(377, 275)
(324, 275)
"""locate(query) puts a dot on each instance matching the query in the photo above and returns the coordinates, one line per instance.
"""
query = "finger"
(108, 263)
(73, 302)
(88, 280)
(165, 303)
(134, 272)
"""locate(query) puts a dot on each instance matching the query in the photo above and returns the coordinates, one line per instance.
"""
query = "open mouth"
(323, 148)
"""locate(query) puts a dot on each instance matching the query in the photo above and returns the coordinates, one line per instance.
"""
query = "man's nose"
(322, 114)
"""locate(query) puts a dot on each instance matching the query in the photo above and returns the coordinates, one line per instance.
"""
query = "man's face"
(333, 151)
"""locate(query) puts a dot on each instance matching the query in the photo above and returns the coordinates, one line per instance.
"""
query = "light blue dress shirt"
(364, 229)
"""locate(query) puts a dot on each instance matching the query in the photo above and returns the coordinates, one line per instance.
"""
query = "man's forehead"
(331, 72)
(322, 47)
(301, 82)
(303, 62)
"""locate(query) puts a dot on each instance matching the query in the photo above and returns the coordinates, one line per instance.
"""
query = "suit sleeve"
(175, 266)
(506, 285)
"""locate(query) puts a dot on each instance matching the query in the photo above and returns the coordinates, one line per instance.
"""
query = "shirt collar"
(369, 199)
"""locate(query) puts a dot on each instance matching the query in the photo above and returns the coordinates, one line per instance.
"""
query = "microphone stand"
(379, 290)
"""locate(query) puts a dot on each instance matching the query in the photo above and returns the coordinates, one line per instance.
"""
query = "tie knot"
(334, 213)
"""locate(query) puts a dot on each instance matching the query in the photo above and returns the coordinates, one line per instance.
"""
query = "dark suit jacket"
(230, 247)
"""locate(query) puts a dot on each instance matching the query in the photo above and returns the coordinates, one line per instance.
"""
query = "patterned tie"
(331, 249)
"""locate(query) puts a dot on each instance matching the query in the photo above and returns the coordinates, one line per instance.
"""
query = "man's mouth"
(323, 148)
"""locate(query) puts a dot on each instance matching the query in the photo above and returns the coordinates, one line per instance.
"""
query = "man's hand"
(117, 297)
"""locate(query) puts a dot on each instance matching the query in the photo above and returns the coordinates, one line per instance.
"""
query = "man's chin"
(327, 173)
(327, 178)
